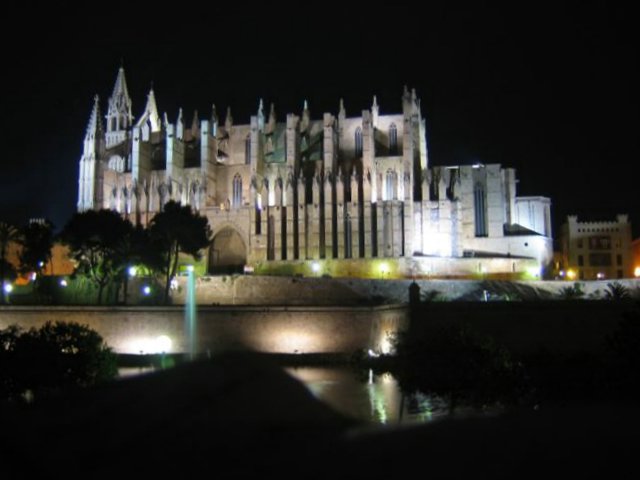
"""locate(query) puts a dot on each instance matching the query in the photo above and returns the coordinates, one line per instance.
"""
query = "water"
(368, 397)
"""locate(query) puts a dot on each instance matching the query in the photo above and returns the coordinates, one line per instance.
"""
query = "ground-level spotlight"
(63, 282)
(315, 267)
(636, 272)
(384, 269)
(8, 288)
(534, 271)
(132, 271)
(571, 274)
(146, 290)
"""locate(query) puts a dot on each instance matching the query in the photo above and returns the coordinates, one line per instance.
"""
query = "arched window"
(237, 191)
(480, 210)
(247, 150)
(390, 185)
(393, 139)
(358, 142)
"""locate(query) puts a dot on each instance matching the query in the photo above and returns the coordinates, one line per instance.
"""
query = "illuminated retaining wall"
(264, 329)
(554, 325)
(283, 290)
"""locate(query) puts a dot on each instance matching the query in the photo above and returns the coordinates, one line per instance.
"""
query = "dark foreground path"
(243, 417)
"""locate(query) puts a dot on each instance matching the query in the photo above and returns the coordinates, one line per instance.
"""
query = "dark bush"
(56, 356)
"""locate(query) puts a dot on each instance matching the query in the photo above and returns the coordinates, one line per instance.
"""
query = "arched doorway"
(228, 253)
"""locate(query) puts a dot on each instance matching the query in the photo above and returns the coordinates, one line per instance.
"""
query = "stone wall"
(265, 329)
(561, 326)
(284, 290)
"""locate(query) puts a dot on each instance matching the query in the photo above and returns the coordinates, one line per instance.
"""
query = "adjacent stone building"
(597, 250)
(329, 189)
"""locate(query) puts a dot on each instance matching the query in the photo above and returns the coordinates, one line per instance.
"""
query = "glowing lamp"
(636, 272)
(8, 287)
(384, 268)
(146, 290)
(571, 274)
(315, 267)
(534, 271)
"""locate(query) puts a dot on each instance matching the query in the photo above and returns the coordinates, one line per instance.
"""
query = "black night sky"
(550, 91)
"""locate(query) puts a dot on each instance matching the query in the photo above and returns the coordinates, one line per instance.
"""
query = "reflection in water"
(126, 372)
(374, 398)
(365, 396)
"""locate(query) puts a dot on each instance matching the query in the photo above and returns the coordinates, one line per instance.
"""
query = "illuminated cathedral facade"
(313, 194)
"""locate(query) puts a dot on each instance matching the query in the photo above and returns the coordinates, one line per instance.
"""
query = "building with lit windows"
(597, 250)
(335, 191)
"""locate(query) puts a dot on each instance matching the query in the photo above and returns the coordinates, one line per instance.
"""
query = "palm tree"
(8, 234)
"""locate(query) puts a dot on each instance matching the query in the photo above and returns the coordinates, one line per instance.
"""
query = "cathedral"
(339, 195)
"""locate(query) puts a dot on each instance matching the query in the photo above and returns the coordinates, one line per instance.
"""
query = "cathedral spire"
(306, 120)
(120, 102)
(261, 116)
(375, 111)
(408, 101)
(342, 114)
(214, 120)
(150, 113)
(195, 125)
(89, 194)
(119, 117)
(94, 127)
(228, 121)
(179, 125)
(271, 124)
(214, 114)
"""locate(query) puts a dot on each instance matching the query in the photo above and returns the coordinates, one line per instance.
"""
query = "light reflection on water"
(374, 398)
(367, 396)
(126, 372)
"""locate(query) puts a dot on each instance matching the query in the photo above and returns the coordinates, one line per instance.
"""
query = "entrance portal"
(227, 253)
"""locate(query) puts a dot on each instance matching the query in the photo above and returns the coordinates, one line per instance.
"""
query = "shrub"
(616, 291)
(53, 357)
(573, 292)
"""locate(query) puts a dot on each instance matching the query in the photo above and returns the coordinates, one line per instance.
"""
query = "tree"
(134, 248)
(177, 229)
(8, 234)
(55, 356)
(37, 242)
(94, 237)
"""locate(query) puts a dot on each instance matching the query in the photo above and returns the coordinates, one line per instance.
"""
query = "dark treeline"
(104, 245)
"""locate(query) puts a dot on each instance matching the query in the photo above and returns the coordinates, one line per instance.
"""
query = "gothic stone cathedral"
(339, 195)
